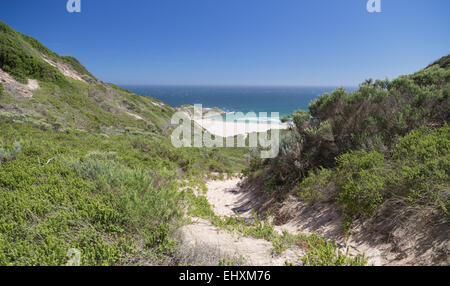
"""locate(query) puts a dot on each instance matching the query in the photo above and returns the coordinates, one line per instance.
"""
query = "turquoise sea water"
(283, 100)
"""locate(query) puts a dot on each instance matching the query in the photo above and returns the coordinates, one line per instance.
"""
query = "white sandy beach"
(233, 128)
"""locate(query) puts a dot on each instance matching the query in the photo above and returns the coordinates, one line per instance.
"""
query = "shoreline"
(233, 128)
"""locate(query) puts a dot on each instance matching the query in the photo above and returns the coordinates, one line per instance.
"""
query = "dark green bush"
(417, 173)
(22, 65)
(373, 117)
(422, 167)
(18, 59)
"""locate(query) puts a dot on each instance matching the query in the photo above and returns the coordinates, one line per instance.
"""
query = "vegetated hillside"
(68, 95)
(87, 165)
(381, 153)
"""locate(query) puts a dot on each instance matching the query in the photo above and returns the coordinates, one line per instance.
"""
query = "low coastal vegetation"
(388, 141)
(20, 63)
(88, 165)
(60, 191)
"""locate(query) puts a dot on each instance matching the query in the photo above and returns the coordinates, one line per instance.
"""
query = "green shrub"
(422, 164)
(285, 118)
(255, 163)
(319, 132)
(417, 173)
(318, 186)
(261, 228)
(318, 251)
(355, 161)
(11, 154)
(423, 144)
(198, 205)
(323, 253)
(2, 90)
(144, 205)
(362, 181)
(17, 59)
(300, 117)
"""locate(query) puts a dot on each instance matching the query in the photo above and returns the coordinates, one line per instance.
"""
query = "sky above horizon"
(239, 42)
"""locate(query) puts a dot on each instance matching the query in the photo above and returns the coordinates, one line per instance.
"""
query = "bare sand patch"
(65, 69)
(33, 84)
(134, 115)
(249, 251)
(201, 236)
(223, 196)
(16, 87)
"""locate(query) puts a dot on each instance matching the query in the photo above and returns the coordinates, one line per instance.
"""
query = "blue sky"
(239, 42)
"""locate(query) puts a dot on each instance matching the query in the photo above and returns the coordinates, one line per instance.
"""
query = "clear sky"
(239, 42)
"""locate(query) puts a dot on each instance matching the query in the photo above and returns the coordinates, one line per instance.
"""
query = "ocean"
(283, 100)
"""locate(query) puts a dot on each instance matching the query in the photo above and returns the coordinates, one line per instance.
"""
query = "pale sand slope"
(65, 69)
(245, 250)
(226, 129)
(17, 88)
(226, 197)
(223, 196)
(223, 244)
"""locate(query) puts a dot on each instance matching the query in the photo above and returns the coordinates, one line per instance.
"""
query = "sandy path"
(223, 244)
(224, 197)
